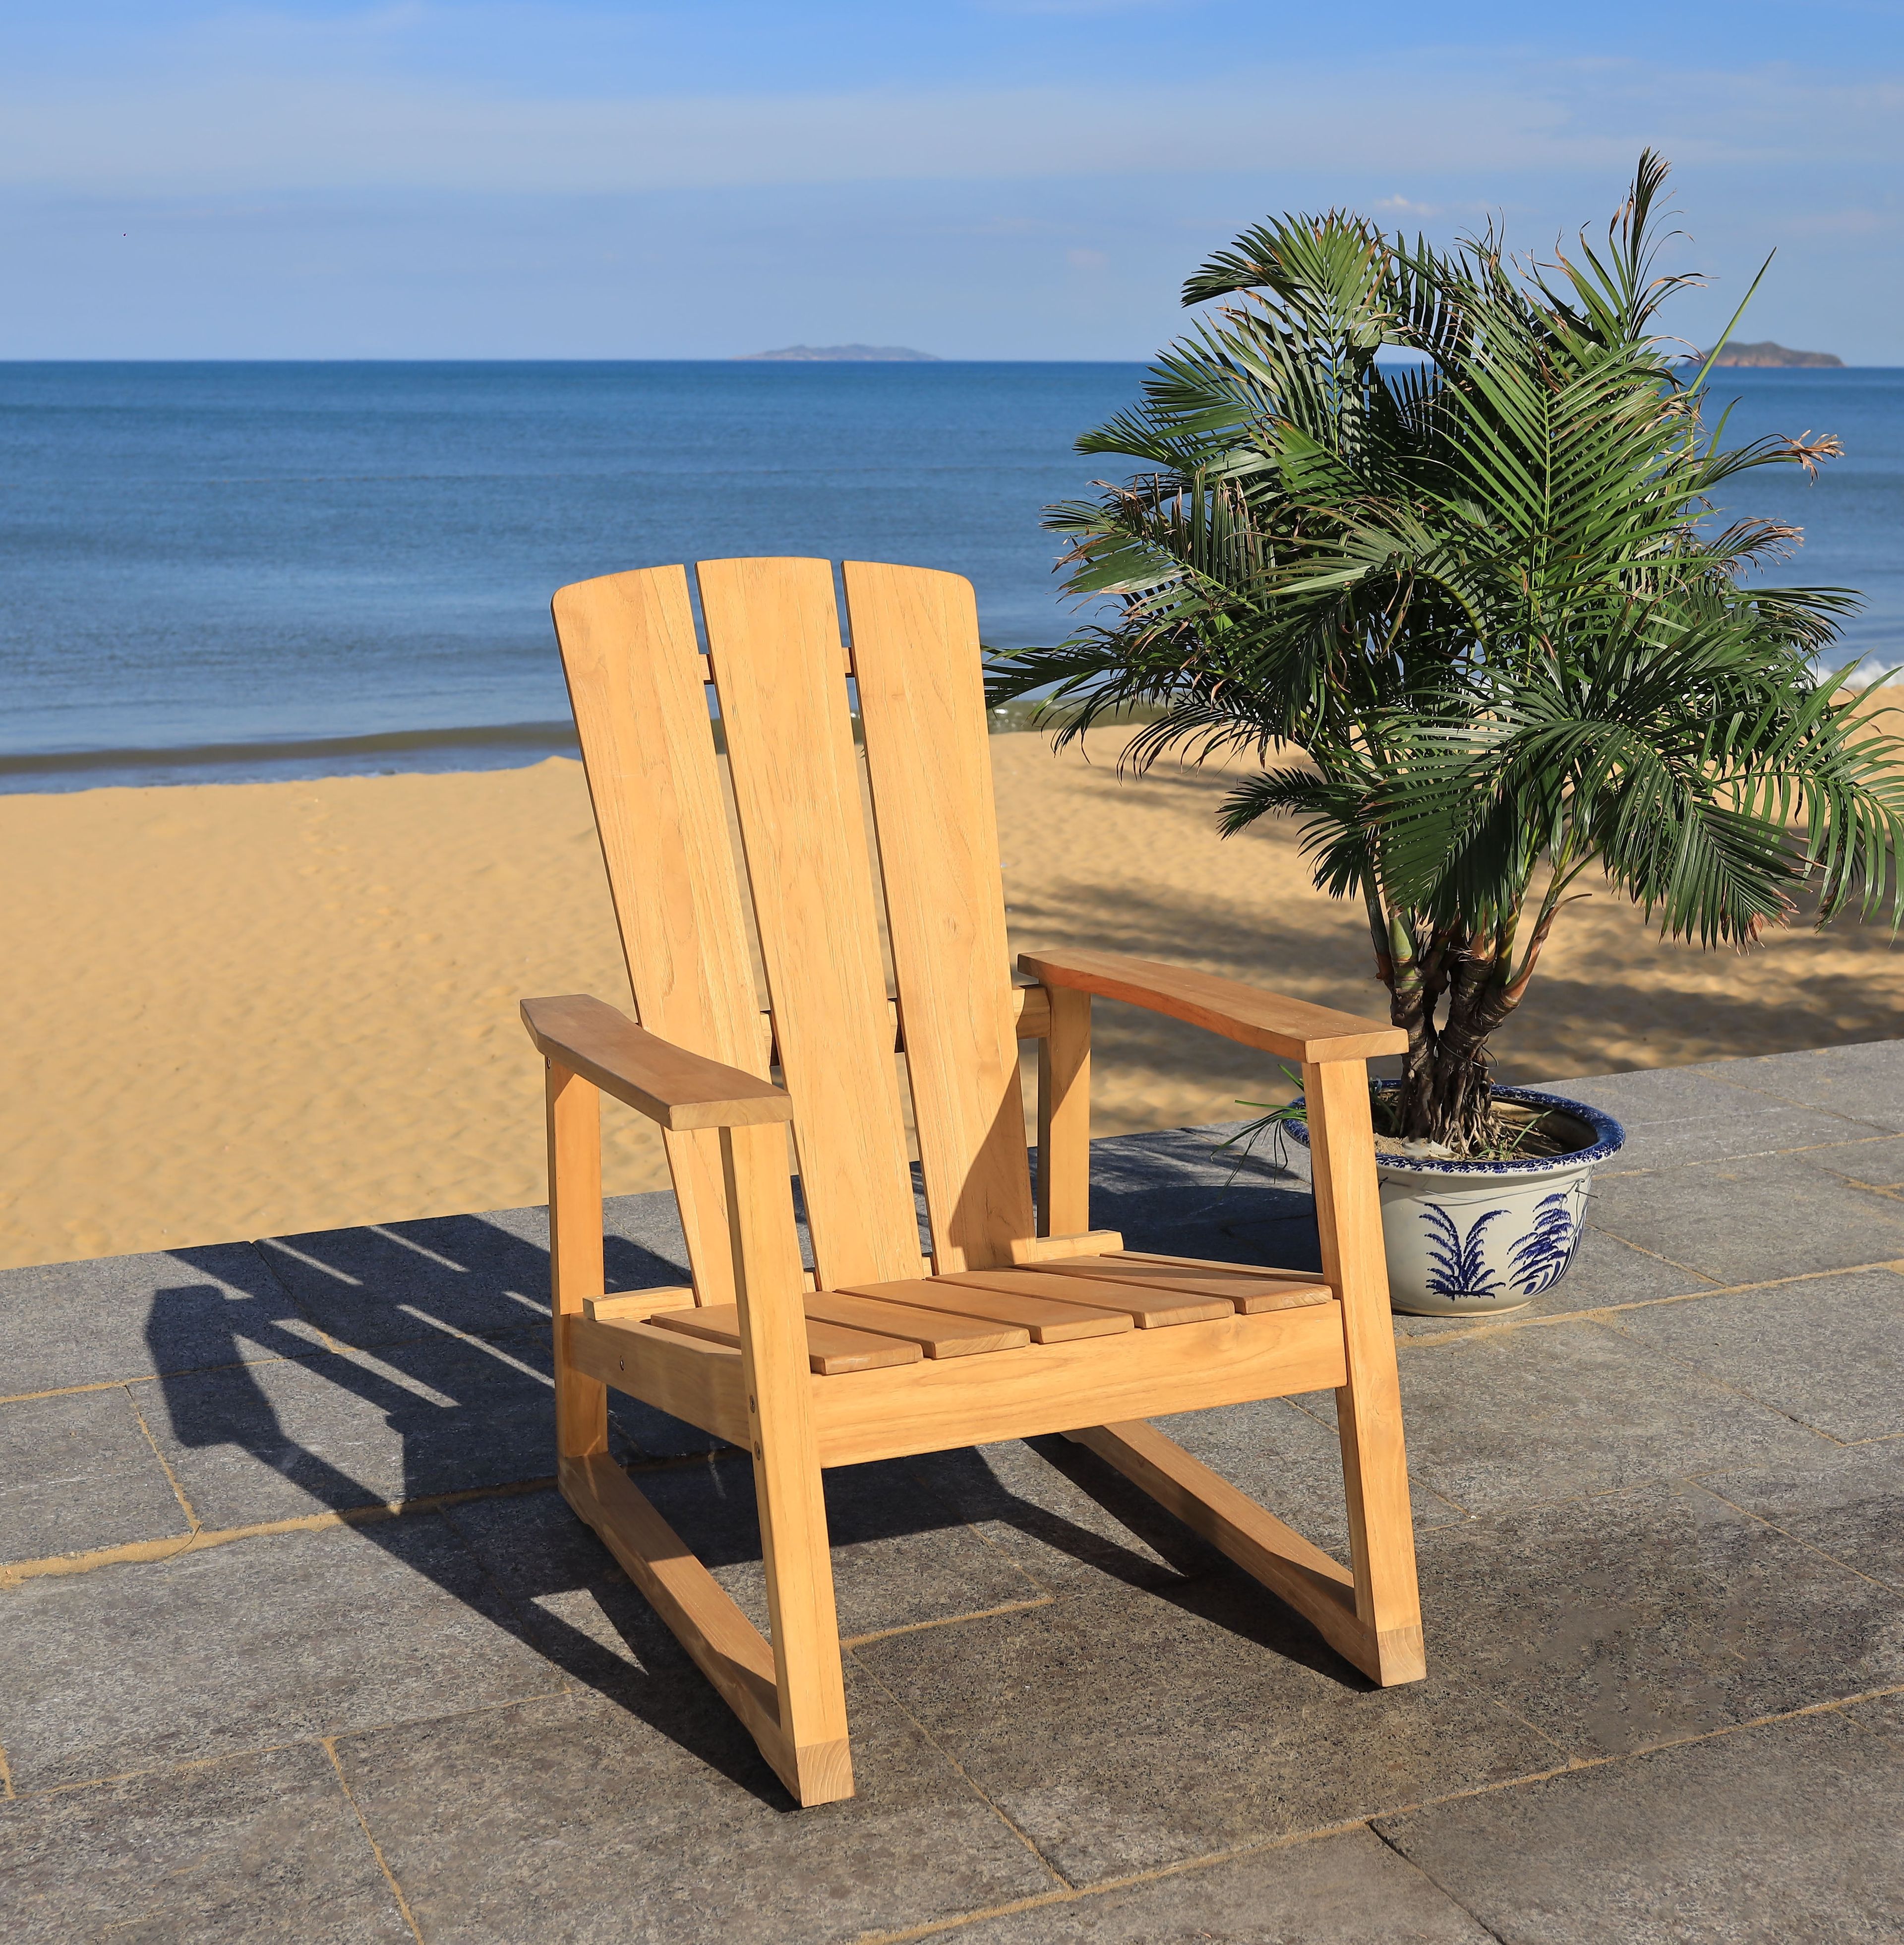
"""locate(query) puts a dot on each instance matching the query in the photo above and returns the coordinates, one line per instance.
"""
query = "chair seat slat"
(939, 1333)
(1251, 1290)
(831, 1348)
(1148, 1309)
(1048, 1321)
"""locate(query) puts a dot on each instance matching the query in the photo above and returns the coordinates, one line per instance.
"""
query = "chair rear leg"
(1064, 1117)
(1368, 1407)
(816, 1764)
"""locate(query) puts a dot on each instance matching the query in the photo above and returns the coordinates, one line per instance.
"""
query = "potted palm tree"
(1431, 535)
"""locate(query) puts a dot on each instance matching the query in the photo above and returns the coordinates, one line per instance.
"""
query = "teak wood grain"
(1047, 1321)
(1061, 1248)
(1212, 1263)
(633, 667)
(935, 1406)
(939, 1333)
(1368, 1406)
(1036, 1321)
(929, 760)
(1149, 1308)
(1291, 1029)
(1248, 1290)
(771, 634)
(1031, 1018)
(668, 1084)
(729, 1648)
(792, 1512)
(1064, 1114)
(687, 1377)
(632, 1305)
(831, 1348)
(572, 1121)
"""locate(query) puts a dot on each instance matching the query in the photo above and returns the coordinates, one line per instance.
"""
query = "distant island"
(1769, 354)
(854, 354)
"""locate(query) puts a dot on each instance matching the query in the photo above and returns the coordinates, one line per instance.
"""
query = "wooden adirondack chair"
(1019, 1324)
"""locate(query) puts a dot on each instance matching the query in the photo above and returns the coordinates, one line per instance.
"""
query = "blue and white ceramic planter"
(1466, 1237)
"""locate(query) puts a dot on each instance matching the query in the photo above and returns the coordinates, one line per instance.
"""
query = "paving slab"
(573, 1819)
(583, 1612)
(1347, 1889)
(252, 1850)
(1635, 1618)
(1828, 1351)
(577, 1606)
(343, 1430)
(1864, 1083)
(652, 1433)
(1692, 1113)
(1124, 1730)
(1071, 1523)
(901, 1556)
(77, 1472)
(1872, 1164)
(119, 1317)
(1883, 1715)
(1290, 1461)
(1519, 1417)
(257, 1641)
(551, 1764)
(1177, 1191)
(1753, 1220)
(1782, 1835)
(1847, 1503)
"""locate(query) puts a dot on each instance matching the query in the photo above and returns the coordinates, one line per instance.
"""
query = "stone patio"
(299, 1643)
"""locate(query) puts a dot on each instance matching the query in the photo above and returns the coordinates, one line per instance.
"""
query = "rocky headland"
(852, 354)
(1769, 354)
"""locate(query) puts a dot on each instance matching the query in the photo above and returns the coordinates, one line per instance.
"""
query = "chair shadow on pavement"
(212, 1408)
(431, 1378)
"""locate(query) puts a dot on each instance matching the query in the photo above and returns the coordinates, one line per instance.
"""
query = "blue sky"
(980, 178)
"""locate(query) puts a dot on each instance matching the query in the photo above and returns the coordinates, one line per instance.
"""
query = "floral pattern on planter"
(1464, 1238)
(1546, 1253)
(1458, 1263)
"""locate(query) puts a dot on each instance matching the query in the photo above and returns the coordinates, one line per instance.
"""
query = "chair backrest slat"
(636, 682)
(921, 701)
(773, 638)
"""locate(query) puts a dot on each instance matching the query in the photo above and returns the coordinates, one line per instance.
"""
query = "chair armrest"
(1291, 1028)
(666, 1082)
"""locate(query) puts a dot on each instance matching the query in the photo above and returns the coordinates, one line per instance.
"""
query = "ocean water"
(224, 571)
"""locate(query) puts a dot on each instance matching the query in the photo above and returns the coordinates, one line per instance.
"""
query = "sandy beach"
(243, 1009)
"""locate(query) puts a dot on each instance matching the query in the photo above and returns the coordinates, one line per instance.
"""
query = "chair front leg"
(816, 1765)
(574, 1116)
(1368, 1407)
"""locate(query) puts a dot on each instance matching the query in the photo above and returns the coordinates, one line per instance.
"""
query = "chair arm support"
(1291, 1029)
(666, 1082)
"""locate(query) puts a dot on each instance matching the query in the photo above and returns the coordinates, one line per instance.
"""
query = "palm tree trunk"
(1447, 1091)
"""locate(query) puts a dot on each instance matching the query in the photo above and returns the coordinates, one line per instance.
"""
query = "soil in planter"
(1527, 1134)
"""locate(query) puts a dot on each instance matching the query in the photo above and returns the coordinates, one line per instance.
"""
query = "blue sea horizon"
(225, 572)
